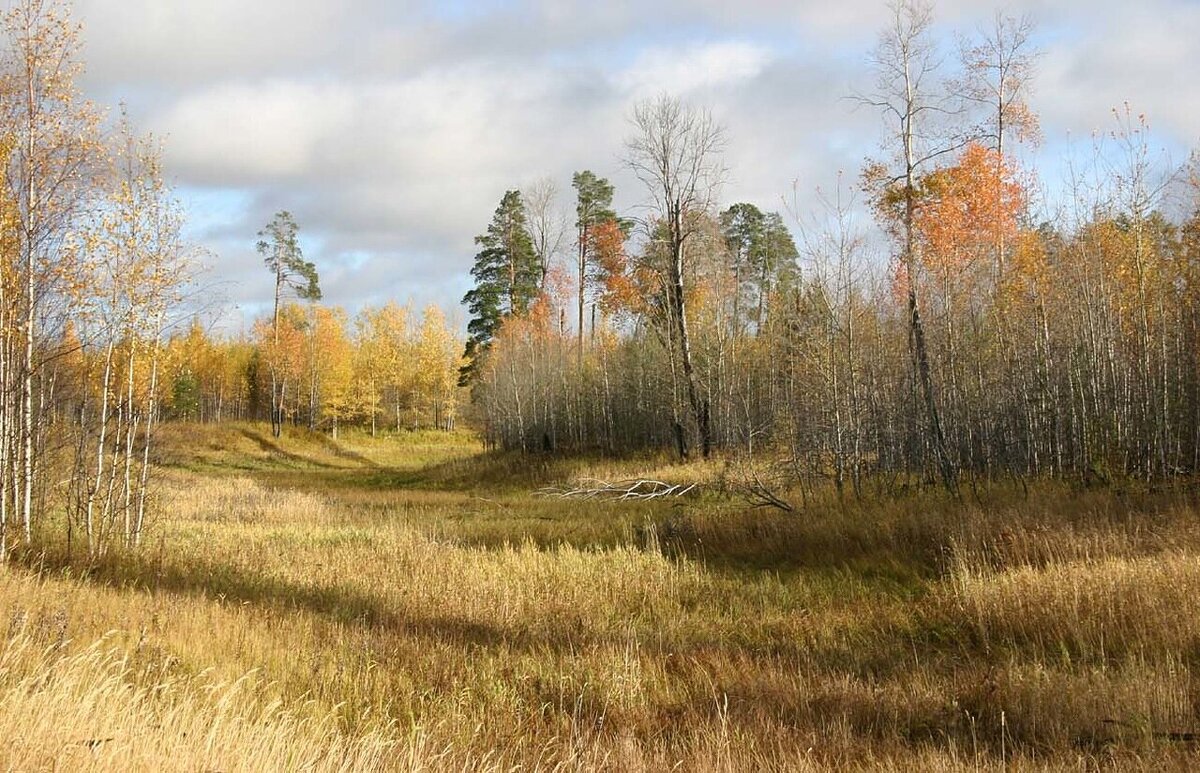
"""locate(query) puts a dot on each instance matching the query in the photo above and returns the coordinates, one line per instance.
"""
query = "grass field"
(408, 603)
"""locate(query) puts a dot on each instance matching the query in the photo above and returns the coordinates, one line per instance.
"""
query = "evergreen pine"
(506, 273)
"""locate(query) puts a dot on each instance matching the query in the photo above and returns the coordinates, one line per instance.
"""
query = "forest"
(905, 480)
(1001, 335)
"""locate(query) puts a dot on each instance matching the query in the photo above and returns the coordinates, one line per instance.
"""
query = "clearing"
(408, 602)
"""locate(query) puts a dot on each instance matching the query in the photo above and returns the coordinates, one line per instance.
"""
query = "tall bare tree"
(546, 222)
(675, 151)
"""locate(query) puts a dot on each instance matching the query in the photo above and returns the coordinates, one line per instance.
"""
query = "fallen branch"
(640, 489)
(1177, 736)
(760, 483)
(760, 494)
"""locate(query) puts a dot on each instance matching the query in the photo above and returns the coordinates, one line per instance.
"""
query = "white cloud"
(392, 128)
(687, 69)
(239, 134)
(1146, 59)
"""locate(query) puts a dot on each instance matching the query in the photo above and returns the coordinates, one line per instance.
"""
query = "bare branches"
(761, 494)
(547, 223)
(675, 152)
(641, 489)
(761, 484)
(910, 91)
(998, 70)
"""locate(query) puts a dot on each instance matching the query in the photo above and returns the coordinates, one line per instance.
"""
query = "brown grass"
(89, 710)
(370, 605)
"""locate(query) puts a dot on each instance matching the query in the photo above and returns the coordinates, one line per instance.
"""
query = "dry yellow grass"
(90, 711)
(366, 606)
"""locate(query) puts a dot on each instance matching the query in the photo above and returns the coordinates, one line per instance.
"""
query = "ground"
(409, 602)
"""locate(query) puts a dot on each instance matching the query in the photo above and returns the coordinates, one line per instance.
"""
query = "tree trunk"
(700, 407)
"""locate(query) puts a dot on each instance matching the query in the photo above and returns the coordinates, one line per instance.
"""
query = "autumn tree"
(963, 208)
(437, 355)
(283, 344)
(333, 355)
(618, 284)
(137, 268)
(999, 66)
(192, 358)
(386, 366)
(52, 141)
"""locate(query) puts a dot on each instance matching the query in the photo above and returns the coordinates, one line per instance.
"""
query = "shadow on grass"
(299, 470)
(319, 458)
(487, 471)
(275, 449)
(342, 452)
(225, 584)
(214, 582)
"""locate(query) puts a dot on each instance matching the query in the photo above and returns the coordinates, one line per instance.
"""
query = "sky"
(391, 129)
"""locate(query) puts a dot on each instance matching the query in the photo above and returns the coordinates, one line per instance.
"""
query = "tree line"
(933, 319)
(312, 365)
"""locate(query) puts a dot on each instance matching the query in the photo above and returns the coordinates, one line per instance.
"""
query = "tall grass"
(366, 605)
(87, 710)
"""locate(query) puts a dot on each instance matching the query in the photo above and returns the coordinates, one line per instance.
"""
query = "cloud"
(235, 134)
(391, 129)
(685, 70)
(1146, 59)
(175, 43)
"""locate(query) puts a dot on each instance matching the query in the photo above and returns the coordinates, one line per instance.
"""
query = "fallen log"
(640, 489)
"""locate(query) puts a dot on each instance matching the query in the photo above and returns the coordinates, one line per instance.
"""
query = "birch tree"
(53, 135)
(675, 151)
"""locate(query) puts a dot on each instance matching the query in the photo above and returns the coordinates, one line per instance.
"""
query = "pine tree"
(742, 225)
(593, 207)
(763, 257)
(506, 273)
(280, 247)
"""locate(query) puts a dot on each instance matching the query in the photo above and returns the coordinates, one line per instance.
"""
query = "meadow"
(409, 602)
